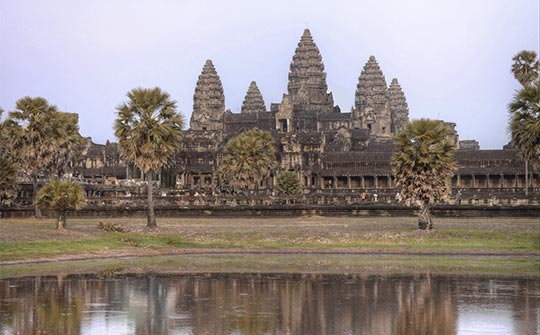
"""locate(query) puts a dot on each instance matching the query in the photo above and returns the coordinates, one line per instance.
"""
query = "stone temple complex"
(331, 151)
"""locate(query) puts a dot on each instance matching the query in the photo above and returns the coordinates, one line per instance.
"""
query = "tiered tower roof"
(399, 110)
(208, 100)
(253, 102)
(307, 79)
(371, 88)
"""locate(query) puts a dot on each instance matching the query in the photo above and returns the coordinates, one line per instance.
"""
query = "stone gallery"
(332, 152)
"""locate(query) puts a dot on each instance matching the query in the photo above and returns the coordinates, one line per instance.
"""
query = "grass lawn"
(30, 239)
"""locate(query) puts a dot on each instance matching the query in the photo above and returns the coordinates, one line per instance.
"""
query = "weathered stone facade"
(332, 152)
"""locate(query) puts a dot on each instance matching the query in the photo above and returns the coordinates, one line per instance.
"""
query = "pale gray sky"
(452, 58)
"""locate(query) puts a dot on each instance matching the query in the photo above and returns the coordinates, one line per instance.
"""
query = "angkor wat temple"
(331, 151)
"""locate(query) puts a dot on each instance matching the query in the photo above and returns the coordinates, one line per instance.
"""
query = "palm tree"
(61, 196)
(67, 147)
(526, 67)
(249, 157)
(424, 164)
(525, 125)
(33, 137)
(149, 132)
(8, 172)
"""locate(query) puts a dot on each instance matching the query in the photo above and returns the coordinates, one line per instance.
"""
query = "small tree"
(424, 164)
(288, 183)
(60, 196)
(249, 157)
(149, 132)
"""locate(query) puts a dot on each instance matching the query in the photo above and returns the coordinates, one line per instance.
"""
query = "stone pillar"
(390, 182)
(473, 181)
(335, 182)
(376, 185)
(362, 182)
(349, 182)
(501, 181)
(458, 181)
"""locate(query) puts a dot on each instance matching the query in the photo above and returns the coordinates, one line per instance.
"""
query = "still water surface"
(269, 304)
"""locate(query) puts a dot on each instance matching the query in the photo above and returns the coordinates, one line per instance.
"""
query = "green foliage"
(424, 164)
(148, 128)
(525, 109)
(8, 170)
(288, 183)
(8, 180)
(43, 140)
(69, 146)
(60, 196)
(33, 133)
(525, 121)
(526, 68)
(249, 157)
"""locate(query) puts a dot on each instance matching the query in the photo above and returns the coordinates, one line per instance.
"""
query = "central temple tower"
(307, 86)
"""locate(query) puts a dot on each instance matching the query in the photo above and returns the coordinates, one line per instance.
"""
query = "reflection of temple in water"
(258, 304)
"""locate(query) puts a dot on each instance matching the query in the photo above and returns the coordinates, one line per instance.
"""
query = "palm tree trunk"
(526, 177)
(424, 221)
(151, 214)
(61, 222)
(37, 211)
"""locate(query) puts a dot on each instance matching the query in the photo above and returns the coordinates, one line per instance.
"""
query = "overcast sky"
(452, 57)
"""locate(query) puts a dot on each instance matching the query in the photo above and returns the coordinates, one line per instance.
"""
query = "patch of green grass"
(41, 248)
(440, 240)
(280, 263)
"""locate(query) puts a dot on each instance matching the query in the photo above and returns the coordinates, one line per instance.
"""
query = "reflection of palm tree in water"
(426, 306)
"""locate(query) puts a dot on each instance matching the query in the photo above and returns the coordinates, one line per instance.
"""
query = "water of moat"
(269, 304)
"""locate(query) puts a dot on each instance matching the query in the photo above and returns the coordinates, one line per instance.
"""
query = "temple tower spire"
(307, 86)
(399, 110)
(208, 100)
(371, 100)
(253, 102)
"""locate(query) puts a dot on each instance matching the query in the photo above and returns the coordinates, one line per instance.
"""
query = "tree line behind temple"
(37, 140)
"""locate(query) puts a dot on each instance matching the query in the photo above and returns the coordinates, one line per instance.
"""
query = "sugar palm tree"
(525, 125)
(60, 196)
(8, 172)
(423, 165)
(149, 132)
(526, 67)
(67, 147)
(249, 157)
(33, 137)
